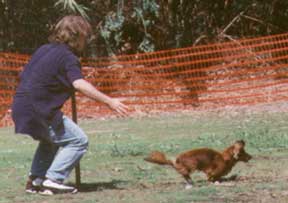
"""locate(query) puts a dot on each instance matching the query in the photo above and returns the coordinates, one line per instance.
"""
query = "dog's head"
(239, 152)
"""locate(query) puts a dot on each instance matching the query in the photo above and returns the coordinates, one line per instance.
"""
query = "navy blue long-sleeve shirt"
(45, 85)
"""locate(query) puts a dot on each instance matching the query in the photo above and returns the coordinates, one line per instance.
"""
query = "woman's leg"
(43, 157)
(73, 144)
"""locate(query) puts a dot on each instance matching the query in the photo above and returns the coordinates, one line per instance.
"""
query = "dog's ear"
(236, 152)
(237, 147)
(240, 142)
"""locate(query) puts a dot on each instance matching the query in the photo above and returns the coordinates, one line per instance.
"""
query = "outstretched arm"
(90, 91)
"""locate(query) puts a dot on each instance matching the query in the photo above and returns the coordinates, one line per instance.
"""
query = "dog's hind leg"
(189, 182)
(185, 172)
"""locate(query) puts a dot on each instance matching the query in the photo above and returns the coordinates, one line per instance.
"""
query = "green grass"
(113, 169)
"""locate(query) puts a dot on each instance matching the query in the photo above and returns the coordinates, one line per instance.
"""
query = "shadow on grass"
(100, 186)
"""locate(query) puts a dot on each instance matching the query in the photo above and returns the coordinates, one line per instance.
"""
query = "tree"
(142, 25)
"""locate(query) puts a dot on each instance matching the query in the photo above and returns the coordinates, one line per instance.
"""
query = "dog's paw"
(228, 184)
(223, 183)
(188, 186)
(217, 183)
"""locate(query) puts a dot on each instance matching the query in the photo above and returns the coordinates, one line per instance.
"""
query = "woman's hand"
(116, 105)
(89, 90)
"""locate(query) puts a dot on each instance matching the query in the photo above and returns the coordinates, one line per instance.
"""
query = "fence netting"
(241, 72)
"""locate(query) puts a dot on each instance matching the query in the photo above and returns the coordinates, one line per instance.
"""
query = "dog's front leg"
(218, 181)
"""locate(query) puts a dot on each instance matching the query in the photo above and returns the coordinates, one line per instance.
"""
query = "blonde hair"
(73, 31)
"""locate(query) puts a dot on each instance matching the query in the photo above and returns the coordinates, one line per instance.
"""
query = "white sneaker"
(37, 182)
(46, 192)
(35, 186)
(58, 187)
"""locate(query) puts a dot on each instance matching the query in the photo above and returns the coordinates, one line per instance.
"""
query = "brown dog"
(213, 163)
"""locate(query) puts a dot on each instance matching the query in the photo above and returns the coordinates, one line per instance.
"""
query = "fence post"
(74, 118)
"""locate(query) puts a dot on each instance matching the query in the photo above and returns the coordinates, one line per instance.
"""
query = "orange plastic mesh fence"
(242, 72)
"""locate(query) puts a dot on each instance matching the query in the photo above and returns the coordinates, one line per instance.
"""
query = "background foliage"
(141, 25)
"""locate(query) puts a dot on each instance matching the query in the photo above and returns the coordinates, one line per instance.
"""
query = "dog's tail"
(158, 158)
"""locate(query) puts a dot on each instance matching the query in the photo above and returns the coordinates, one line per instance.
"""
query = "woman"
(47, 81)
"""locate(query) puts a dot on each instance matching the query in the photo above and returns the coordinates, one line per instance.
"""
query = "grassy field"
(113, 170)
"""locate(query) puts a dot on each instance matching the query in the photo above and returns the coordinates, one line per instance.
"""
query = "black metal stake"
(74, 118)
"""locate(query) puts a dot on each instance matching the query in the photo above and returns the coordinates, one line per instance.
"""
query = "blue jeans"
(55, 158)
